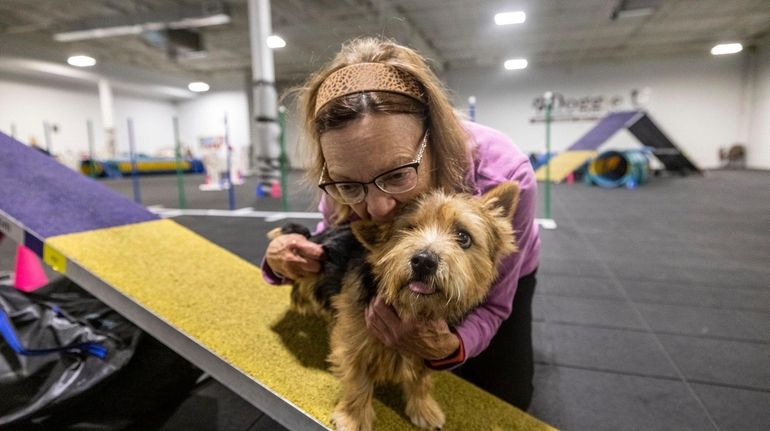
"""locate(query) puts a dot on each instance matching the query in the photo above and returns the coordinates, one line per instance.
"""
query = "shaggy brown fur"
(438, 259)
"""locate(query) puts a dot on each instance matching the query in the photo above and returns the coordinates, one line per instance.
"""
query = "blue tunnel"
(610, 169)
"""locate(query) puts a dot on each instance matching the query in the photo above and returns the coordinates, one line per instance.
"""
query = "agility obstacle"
(630, 169)
(563, 164)
(640, 125)
(204, 302)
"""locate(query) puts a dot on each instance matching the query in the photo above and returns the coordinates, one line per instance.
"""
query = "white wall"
(26, 105)
(695, 100)
(758, 148)
(152, 121)
(204, 117)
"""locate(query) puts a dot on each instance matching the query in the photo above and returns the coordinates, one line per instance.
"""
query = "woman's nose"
(379, 204)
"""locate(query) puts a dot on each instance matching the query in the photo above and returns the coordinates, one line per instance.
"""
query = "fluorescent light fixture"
(97, 33)
(506, 18)
(205, 21)
(151, 24)
(515, 64)
(635, 13)
(81, 61)
(726, 48)
(275, 41)
(198, 86)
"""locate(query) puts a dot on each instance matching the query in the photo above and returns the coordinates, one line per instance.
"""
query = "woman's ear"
(504, 197)
(369, 233)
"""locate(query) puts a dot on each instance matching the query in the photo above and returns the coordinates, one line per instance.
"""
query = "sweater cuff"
(453, 360)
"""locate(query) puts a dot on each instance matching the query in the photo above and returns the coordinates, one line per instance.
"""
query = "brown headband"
(361, 77)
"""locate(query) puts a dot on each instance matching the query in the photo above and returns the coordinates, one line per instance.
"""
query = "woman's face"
(370, 146)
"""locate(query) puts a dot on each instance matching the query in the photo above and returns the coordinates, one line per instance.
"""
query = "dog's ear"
(287, 229)
(369, 233)
(274, 233)
(504, 197)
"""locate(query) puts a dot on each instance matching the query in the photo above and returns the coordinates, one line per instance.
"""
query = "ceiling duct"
(178, 18)
(178, 44)
(633, 8)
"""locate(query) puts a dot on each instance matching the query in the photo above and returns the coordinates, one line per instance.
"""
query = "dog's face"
(439, 257)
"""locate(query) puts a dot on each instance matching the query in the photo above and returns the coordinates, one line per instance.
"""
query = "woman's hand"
(430, 340)
(294, 256)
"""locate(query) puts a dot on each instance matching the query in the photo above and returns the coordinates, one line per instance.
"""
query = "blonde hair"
(449, 153)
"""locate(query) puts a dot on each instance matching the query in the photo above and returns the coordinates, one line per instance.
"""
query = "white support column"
(265, 129)
(108, 115)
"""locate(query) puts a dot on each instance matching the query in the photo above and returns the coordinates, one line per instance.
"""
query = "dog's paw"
(342, 421)
(426, 413)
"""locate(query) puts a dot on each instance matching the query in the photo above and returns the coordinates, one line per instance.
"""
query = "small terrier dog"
(436, 260)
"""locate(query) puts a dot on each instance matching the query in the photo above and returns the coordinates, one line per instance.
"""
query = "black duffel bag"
(67, 361)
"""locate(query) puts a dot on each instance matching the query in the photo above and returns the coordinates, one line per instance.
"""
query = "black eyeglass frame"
(415, 164)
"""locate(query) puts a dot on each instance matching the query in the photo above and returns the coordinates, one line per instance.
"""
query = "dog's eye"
(464, 239)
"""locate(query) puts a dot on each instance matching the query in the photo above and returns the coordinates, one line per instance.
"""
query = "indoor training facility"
(225, 215)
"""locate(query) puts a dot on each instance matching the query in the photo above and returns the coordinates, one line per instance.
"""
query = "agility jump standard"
(204, 302)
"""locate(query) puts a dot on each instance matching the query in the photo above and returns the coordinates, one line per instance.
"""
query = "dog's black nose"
(424, 263)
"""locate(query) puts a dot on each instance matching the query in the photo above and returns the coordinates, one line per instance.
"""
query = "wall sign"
(576, 108)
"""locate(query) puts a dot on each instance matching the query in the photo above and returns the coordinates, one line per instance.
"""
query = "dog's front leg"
(421, 408)
(354, 411)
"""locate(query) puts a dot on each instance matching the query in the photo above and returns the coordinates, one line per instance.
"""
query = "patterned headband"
(361, 77)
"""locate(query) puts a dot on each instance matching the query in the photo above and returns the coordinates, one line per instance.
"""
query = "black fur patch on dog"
(368, 283)
(340, 248)
(295, 228)
(342, 253)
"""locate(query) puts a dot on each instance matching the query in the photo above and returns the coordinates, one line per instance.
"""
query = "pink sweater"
(496, 159)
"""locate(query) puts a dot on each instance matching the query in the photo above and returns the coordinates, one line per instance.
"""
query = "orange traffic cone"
(29, 271)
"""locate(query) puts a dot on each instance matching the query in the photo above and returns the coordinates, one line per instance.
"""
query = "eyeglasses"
(398, 180)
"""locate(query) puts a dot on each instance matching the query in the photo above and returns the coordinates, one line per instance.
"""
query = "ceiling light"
(515, 64)
(198, 86)
(275, 41)
(726, 48)
(505, 18)
(97, 33)
(81, 61)
(198, 22)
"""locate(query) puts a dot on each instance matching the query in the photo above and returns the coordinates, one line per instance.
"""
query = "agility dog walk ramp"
(204, 302)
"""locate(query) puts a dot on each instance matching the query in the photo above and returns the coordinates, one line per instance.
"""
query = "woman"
(382, 132)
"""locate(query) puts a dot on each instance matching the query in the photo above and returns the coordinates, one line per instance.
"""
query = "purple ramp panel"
(51, 199)
(607, 127)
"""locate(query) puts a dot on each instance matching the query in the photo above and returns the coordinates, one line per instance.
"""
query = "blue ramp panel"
(50, 199)
(603, 131)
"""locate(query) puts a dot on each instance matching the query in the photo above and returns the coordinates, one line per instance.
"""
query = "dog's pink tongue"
(420, 287)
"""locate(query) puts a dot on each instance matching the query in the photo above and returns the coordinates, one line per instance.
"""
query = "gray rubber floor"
(651, 310)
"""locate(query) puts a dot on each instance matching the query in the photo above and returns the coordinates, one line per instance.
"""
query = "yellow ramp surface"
(220, 301)
(564, 163)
